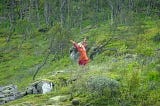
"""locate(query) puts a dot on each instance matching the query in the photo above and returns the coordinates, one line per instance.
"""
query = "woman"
(81, 47)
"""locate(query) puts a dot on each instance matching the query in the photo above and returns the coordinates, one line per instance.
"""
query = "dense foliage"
(123, 39)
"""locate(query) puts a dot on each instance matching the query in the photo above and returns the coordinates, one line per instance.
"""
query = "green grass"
(137, 76)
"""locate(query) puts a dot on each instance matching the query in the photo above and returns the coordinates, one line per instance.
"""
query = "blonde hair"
(81, 45)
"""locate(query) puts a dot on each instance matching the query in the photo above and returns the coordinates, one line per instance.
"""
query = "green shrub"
(134, 80)
(153, 76)
(101, 85)
(143, 49)
(158, 68)
(156, 38)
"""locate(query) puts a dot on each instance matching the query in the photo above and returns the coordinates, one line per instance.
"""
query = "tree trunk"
(63, 3)
(11, 18)
(47, 12)
(68, 17)
(37, 13)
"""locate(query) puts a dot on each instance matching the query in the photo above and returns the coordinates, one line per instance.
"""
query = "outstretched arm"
(84, 42)
(72, 41)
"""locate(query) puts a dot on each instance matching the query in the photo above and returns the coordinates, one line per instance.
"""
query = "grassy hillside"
(132, 58)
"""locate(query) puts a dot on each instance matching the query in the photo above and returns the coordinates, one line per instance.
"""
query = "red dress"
(83, 59)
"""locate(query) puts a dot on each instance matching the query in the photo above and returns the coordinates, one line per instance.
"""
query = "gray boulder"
(40, 87)
(8, 93)
(75, 102)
